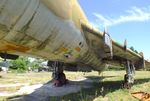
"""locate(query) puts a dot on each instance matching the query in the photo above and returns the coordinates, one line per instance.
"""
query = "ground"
(81, 87)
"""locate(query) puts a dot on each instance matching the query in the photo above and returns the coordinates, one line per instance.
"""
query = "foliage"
(132, 48)
(23, 64)
(20, 64)
(35, 64)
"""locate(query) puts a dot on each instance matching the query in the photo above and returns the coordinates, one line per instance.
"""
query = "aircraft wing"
(111, 51)
(63, 34)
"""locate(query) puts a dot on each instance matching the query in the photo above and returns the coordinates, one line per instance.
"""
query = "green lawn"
(106, 88)
(109, 87)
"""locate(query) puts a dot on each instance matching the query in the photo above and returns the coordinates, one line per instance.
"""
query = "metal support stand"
(129, 76)
(58, 76)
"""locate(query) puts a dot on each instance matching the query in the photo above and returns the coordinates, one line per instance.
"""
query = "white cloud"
(134, 14)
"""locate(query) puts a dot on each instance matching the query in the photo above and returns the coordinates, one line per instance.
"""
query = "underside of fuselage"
(37, 28)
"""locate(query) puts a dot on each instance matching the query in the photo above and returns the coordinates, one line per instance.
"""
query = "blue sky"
(124, 19)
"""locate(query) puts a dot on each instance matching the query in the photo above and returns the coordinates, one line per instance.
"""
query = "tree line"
(23, 64)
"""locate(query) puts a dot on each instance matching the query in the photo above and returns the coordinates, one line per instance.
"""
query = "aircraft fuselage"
(50, 29)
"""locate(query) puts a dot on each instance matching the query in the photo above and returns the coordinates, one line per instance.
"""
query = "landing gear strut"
(128, 77)
(59, 78)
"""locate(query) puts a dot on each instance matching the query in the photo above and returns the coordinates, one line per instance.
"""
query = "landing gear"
(59, 78)
(129, 76)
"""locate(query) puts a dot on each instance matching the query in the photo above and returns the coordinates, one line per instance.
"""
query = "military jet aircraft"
(58, 30)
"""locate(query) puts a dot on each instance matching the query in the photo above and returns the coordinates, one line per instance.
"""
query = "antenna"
(125, 44)
(105, 30)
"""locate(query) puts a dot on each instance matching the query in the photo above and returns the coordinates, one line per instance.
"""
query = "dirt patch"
(10, 89)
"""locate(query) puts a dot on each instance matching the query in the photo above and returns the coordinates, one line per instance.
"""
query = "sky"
(123, 19)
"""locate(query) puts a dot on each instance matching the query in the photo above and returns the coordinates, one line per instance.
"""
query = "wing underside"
(109, 50)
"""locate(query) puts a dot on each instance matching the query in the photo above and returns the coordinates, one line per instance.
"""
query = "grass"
(3, 98)
(109, 87)
(106, 88)
(31, 78)
(10, 89)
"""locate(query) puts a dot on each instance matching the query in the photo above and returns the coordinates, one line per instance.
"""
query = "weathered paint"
(10, 47)
(51, 29)
(78, 49)
(41, 27)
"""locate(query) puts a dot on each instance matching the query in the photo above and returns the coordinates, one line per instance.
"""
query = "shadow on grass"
(98, 89)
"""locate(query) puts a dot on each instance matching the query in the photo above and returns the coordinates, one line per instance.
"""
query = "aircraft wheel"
(60, 80)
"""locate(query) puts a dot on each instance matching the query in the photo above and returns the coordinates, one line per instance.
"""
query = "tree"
(21, 64)
(132, 48)
(35, 64)
(135, 51)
